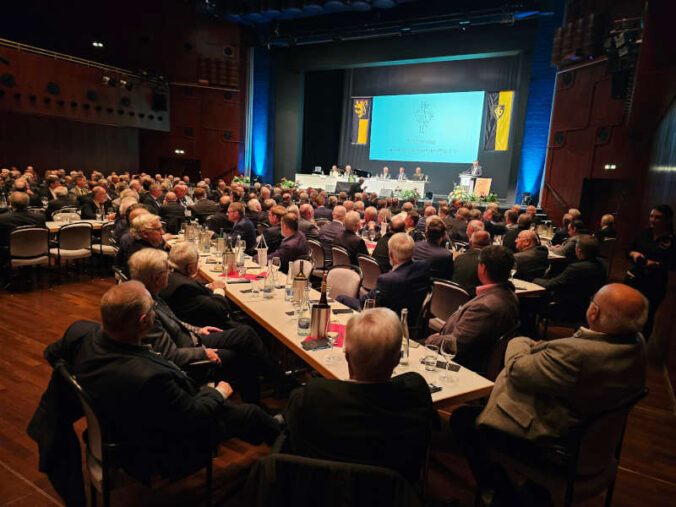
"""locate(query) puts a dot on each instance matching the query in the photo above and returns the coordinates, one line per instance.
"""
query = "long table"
(55, 226)
(271, 314)
(377, 185)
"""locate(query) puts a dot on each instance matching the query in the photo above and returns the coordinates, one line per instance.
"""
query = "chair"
(371, 271)
(607, 252)
(36, 210)
(344, 281)
(103, 470)
(496, 359)
(74, 241)
(580, 466)
(317, 254)
(340, 256)
(283, 479)
(445, 300)
(29, 246)
(108, 244)
(308, 267)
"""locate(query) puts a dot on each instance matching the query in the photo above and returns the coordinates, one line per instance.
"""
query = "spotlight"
(97, 44)
(179, 152)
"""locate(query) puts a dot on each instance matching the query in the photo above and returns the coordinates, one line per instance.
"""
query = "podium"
(467, 182)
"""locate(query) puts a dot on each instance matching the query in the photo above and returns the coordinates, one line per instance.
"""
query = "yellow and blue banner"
(361, 116)
(498, 119)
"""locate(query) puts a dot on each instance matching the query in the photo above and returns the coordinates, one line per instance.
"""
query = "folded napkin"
(248, 276)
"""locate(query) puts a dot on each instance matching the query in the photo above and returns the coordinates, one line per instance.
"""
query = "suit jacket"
(353, 244)
(127, 247)
(203, 208)
(606, 233)
(479, 323)
(403, 287)
(438, 257)
(192, 302)
(310, 230)
(153, 205)
(384, 424)
(56, 204)
(475, 171)
(13, 219)
(381, 253)
(89, 208)
(290, 249)
(323, 212)
(458, 229)
(220, 221)
(547, 388)
(531, 263)
(327, 236)
(245, 230)
(560, 236)
(173, 213)
(465, 270)
(573, 288)
(273, 237)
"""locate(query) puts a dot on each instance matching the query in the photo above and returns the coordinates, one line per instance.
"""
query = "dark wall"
(291, 64)
(322, 111)
(53, 143)
(487, 74)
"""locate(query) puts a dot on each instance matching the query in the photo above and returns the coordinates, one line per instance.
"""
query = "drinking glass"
(220, 245)
(448, 349)
(331, 336)
(256, 286)
(431, 357)
(240, 267)
(369, 303)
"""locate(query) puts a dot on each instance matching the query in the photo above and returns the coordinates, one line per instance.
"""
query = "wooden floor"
(32, 319)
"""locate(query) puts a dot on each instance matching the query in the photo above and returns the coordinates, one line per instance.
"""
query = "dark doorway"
(181, 167)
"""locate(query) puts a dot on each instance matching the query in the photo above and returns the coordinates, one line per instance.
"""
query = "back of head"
(19, 201)
(339, 213)
(480, 239)
(524, 221)
(436, 229)
(290, 220)
(352, 220)
(621, 310)
(397, 225)
(182, 255)
(123, 304)
(372, 344)
(498, 261)
(462, 213)
(199, 193)
(146, 263)
(512, 216)
(587, 246)
(474, 226)
(607, 220)
(413, 216)
(401, 246)
(407, 207)
(141, 223)
(60, 192)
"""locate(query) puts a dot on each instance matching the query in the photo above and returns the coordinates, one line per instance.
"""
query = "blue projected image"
(430, 127)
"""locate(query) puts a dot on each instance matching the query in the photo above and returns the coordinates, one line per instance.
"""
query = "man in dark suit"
(404, 287)
(373, 419)
(431, 251)
(172, 212)
(381, 252)
(23, 185)
(457, 227)
(48, 189)
(329, 233)
(465, 271)
(192, 301)
(532, 259)
(305, 224)
(356, 188)
(349, 240)
(153, 199)
(607, 230)
(561, 233)
(243, 227)
(63, 200)
(96, 204)
(167, 422)
(18, 216)
(273, 234)
(322, 211)
(145, 232)
(571, 289)
(567, 248)
(294, 244)
(477, 325)
(509, 239)
(202, 207)
(220, 221)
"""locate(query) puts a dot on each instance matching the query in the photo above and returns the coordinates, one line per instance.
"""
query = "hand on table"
(209, 329)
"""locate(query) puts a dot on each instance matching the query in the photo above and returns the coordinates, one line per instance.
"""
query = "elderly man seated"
(432, 251)
(405, 286)
(349, 240)
(294, 244)
(192, 301)
(372, 419)
(532, 258)
(167, 423)
(239, 351)
(477, 325)
(145, 232)
(547, 388)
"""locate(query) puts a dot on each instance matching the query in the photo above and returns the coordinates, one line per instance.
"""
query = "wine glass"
(332, 337)
(448, 349)
(369, 303)
(240, 267)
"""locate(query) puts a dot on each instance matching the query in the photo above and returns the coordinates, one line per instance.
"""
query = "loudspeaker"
(159, 102)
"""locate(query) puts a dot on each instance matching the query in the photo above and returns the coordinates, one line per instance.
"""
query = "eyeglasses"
(155, 228)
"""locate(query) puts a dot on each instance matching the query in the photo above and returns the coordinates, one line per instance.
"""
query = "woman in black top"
(653, 255)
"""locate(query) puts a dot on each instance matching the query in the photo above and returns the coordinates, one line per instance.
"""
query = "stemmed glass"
(332, 337)
(448, 349)
(277, 264)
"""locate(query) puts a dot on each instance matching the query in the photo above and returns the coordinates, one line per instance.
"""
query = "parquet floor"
(32, 319)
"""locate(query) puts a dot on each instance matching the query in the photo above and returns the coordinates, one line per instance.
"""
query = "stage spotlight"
(97, 44)
(179, 152)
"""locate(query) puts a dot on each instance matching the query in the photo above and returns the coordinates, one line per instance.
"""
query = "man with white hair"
(63, 200)
(96, 204)
(607, 230)
(405, 286)
(305, 224)
(547, 388)
(146, 232)
(373, 418)
(349, 240)
(329, 233)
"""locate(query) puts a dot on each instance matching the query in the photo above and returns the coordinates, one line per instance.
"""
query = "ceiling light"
(97, 44)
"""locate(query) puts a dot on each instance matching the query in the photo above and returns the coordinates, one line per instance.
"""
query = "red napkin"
(235, 274)
(335, 328)
(370, 244)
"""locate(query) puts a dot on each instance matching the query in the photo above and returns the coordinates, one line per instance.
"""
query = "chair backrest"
(107, 230)
(317, 252)
(75, 236)
(343, 281)
(340, 256)
(282, 479)
(496, 359)
(35, 210)
(607, 252)
(65, 216)
(446, 298)
(29, 242)
(308, 267)
(370, 270)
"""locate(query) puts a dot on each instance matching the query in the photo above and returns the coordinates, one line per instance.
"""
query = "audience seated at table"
(571, 289)
(172, 212)
(548, 388)
(432, 251)
(165, 421)
(63, 200)
(532, 258)
(373, 418)
(219, 221)
(477, 325)
(381, 250)
(465, 271)
(242, 227)
(349, 240)
(294, 244)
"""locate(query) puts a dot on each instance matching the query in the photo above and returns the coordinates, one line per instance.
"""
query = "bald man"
(373, 418)
(532, 257)
(96, 204)
(305, 223)
(547, 388)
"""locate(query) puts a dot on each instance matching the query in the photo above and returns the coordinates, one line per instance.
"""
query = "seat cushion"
(37, 261)
(80, 253)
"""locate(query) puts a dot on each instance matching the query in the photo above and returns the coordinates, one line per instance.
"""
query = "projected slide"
(431, 127)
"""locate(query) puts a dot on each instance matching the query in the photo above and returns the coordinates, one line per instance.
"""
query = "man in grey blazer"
(532, 259)
(547, 388)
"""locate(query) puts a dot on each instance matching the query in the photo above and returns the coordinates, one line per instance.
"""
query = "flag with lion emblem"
(361, 116)
(498, 117)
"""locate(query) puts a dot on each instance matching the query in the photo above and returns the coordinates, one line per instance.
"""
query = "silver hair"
(146, 263)
(401, 246)
(182, 255)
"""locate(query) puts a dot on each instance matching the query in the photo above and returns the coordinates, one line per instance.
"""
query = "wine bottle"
(299, 284)
(228, 258)
(321, 314)
(404, 340)
(269, 282)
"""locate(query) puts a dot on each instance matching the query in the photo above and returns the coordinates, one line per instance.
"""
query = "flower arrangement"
(241, 179)
(459, 193)
(408, 193)
(288, 183)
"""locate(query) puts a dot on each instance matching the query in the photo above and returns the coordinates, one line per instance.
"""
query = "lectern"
(467, 182)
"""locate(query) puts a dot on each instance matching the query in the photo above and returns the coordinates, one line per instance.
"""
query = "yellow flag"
(503, 113)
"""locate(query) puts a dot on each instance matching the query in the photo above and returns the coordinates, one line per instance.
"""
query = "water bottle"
(269, 283)
(405, 344)
(304, 315)
(288, 287)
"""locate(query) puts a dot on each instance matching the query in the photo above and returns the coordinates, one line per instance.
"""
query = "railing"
(564, 205)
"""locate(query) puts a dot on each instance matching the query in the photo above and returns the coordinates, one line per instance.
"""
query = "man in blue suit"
(244, 228)
(403, 287)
